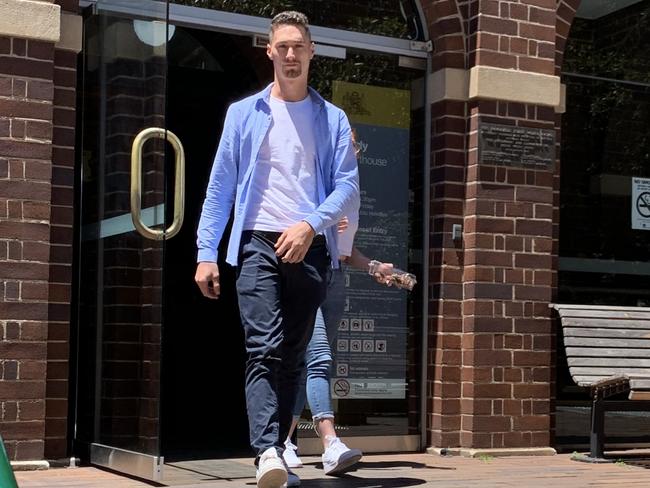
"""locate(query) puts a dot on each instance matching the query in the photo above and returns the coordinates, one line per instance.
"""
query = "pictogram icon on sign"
(368, 325)
(342, 369)
(342, 388)
(643, 204)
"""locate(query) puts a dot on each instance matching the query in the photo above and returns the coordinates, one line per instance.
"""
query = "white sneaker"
(339, 458)
(271, 472)
(290, 456)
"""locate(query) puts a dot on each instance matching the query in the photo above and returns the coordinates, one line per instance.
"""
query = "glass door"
(132, 196)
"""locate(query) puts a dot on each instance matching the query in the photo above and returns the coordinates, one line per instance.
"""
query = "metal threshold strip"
(188, 16)
(134, 463)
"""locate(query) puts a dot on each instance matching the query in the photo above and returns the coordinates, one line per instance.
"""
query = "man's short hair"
(290, 17)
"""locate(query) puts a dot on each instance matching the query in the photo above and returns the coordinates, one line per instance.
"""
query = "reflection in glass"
(153, 32)
(605, 146)
(120, 271)
(375, 93)
(610, 39)
(391, 18)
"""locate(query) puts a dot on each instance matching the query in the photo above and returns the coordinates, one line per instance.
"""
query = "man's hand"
(207, 277)
(293, 244)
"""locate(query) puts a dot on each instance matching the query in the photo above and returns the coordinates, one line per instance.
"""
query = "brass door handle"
(136, 183)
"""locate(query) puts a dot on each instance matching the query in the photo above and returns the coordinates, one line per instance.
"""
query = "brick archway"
(446, 21)
(566, 11)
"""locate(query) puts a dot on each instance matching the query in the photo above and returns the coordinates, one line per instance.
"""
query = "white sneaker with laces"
(339, 458)
(290, 456)
(271, 472)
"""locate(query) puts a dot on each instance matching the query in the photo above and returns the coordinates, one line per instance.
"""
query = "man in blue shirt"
(286, 166)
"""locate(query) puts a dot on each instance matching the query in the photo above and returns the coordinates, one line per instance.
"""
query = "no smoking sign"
(341, 388)
(641, 203)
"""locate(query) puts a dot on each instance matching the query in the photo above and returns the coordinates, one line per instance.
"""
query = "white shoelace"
(290, 445)
(336, 448)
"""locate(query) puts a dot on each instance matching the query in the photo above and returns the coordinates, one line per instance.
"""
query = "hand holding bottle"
(387, 274)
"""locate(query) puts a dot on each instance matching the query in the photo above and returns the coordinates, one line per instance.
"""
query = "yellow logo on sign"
(373, 105)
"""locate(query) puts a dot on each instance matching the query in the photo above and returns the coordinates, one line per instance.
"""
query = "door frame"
(411, 53)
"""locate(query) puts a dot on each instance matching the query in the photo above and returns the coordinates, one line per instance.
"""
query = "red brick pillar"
(29, 30)
(491, 369)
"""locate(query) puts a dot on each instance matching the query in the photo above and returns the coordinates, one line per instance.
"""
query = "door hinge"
(423, 46)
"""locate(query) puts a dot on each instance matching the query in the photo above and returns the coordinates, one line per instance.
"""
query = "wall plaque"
(510, 145)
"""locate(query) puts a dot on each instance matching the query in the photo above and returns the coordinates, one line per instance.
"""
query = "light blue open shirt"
(245, 127)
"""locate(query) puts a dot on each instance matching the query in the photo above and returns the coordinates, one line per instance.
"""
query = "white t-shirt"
(283, 185)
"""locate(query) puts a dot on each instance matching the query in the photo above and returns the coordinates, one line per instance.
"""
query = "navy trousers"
(278, 303)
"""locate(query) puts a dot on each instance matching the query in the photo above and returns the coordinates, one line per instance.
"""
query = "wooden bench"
(608, 351)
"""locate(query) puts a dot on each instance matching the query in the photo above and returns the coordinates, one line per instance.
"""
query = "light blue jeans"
(315, 382)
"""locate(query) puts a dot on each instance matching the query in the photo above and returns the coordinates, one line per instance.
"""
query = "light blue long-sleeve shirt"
(246, 125)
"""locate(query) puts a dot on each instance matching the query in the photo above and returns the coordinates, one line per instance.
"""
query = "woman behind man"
(337, 457)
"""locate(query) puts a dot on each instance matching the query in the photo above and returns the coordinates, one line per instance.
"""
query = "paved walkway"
(388, 471)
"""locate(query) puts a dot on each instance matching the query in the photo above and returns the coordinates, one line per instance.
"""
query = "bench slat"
(606, 372)
(604, 352)
(613, 333)
(607, 314)
(640, 383)
(588, 380)
(639, 395)
(609, 343)
(639, 389)
(571, 306)
(621, 362)
(606, 324)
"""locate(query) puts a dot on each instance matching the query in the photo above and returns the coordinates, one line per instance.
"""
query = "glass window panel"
(605, 144)
(609, 38)
(120, 271)
(375, 92)
(392, 18)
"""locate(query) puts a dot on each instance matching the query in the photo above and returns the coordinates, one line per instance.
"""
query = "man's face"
(290, 50)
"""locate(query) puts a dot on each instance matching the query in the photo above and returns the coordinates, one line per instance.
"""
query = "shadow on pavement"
(349, 481)
(387, 465)
(398, 464)
(353, 482)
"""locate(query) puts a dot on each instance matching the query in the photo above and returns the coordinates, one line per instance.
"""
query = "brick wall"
(491, 370)
(37, 99)
(26, 112)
